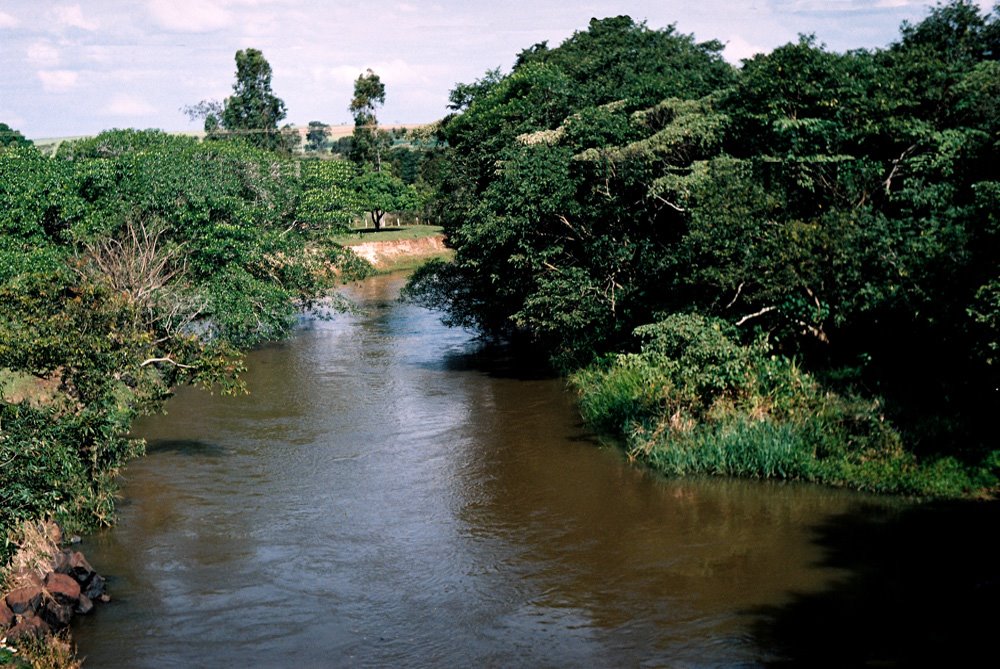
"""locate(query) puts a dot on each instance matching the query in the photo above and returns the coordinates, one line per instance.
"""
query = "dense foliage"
(835, 211)
(11, 137)
(131, 263)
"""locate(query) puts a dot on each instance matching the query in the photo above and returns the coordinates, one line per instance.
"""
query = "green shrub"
(696, 401)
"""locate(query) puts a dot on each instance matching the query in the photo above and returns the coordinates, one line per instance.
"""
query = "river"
(385, 495)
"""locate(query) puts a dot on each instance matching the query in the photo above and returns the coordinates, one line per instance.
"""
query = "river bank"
(398, 249)
(46, 584)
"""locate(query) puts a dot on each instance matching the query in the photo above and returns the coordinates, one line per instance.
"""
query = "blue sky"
(72, 68)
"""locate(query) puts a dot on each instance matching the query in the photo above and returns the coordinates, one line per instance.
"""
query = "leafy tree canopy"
(11, 137)
(840, 205)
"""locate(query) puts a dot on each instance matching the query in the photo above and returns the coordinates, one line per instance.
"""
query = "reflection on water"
(380, 499)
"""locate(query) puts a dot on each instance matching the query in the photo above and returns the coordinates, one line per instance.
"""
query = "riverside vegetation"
(134, 262)
(787, 269)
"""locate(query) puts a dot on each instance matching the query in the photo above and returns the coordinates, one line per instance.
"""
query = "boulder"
(95, 587)
(24, 600)
(60, 562)
(55, 614)
(6, 616)
(79, 568)
(33, 627)
(63, 588)
(40, 605)
(84, 605)
(26, 577)
(53, 531)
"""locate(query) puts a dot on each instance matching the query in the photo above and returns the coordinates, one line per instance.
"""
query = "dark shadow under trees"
(921, 589)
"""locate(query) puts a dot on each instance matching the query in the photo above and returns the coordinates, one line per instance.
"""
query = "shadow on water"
(188, 447)
(501, 361)
(921, 590)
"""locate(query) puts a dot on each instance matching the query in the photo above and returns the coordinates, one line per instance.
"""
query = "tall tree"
(368, 144)
(253, 111)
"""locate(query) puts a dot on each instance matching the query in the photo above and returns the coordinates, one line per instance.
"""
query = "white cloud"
(129, 105)
(395, 71)
(194, 16)
(398, 71)
(342, 74)
(58, 81)
(738, 48)
(7, 21)
(96, 53)
(71, 16)
(43, 54)
(848, 6)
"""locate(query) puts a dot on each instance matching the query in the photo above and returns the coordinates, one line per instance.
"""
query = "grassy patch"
(408, 263)
(52, 652)
(20, 387)
(365, 235)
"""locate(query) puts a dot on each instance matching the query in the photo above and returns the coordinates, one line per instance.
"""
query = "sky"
(76, 68)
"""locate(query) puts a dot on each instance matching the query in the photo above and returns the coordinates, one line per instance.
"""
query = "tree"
(318, 136)
(558, 241)
(11, 137)
(210, 111)
(368, 142)
(253, 111)
(380, 192)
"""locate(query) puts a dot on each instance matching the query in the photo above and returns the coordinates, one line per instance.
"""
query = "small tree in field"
(381, 192)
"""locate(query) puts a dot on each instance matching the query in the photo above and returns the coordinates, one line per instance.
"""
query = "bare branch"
(814, 331)
(736, 296)
(670, 204)
(173, 362)
(755, 314)
(895, 166)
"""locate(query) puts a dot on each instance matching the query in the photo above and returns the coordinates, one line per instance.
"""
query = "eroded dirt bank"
(385, 254)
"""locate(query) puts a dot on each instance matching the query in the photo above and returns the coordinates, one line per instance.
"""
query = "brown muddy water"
(388, 496)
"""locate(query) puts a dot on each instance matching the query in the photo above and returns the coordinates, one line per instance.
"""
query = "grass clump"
(696, 401)
(54, 652)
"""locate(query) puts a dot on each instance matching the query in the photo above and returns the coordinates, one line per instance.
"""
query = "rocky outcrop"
(45, 598)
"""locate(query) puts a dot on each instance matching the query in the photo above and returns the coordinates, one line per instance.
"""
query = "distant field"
(51, 144)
